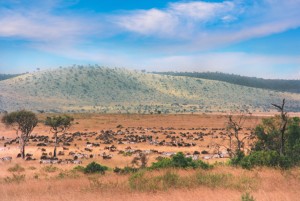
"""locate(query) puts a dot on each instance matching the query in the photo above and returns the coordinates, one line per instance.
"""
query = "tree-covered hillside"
(116, 90)
(7, 76)
(273, 84)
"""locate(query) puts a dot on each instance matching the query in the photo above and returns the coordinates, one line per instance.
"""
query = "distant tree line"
(8, 76)
(273, 84)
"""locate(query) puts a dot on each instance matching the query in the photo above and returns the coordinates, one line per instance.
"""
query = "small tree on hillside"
(58, 124)
(22, 121)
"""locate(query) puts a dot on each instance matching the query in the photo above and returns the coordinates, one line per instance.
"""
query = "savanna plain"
(114, 141)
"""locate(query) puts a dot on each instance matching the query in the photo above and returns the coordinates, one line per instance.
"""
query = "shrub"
(67, 174)
(262, 158)
(125, 170)
(16, 178)
(16, 168)
(163, 163)
(50, 168)
(94, 167)
(79, 168)
(237, 158)
(179, 161)
(247, 197)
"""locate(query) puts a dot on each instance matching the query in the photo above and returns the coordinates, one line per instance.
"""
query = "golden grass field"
(60, 182)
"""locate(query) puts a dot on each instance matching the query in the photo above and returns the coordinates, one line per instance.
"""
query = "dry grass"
(221, 183)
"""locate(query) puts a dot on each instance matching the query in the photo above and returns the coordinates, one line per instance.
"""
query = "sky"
(248, 37)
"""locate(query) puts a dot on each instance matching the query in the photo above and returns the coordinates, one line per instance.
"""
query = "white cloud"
(42, 25)
(205, 25)
(148, 22)
(238, 62)
(178, 20)
(202, 11)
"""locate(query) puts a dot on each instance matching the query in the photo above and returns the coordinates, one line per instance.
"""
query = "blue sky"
(248, 37)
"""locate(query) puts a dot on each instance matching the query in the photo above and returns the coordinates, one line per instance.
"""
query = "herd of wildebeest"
(204, 143)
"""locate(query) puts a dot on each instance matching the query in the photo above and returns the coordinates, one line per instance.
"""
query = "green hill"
(272, 84)
(106, 90)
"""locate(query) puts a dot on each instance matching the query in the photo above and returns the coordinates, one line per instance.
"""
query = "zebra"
(6, 158)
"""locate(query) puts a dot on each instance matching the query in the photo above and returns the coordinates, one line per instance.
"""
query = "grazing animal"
(6, 158)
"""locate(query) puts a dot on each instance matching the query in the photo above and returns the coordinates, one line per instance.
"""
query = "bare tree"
(59, 124)
(23, 121)
(140, 160)
(234, 126)
(283, 125)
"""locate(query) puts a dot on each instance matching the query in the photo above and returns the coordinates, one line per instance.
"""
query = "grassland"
(28, 180)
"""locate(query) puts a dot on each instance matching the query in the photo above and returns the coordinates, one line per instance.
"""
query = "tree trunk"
(55, 145)
(238, 140)
(22, 147)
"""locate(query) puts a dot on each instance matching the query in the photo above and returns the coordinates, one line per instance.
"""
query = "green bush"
(179, 161)
(237, 158)
(94, 167)
(262, 158)
(163, 163)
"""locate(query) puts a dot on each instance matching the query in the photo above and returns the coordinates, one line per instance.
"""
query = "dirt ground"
(273, 184)
(139, 125)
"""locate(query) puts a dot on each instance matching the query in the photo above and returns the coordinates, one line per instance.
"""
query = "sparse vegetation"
(143, 181)
(66, 90)
(273, 84)
(15, 178)
(50, 169)
(247, 197)
(16, 168)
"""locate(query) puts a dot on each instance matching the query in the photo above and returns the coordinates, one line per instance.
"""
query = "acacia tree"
(58, 124)
(21, 121)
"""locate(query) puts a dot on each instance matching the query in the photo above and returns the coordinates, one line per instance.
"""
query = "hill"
(106, 90)
(272, 84)
(8, 76)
